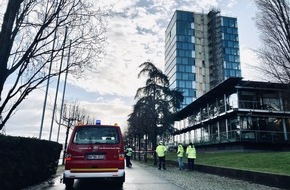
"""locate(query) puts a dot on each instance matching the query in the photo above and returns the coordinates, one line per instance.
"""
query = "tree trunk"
(65, 144)
(139, 147)
(155, 144)
(6, 40)
(146, 149)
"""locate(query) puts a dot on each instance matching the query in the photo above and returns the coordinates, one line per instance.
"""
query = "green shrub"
(26, 161)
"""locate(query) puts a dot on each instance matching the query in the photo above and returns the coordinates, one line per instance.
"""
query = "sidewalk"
(268, 179)
(53, 181)
(60, 170)
(200, 180)
(273, 180)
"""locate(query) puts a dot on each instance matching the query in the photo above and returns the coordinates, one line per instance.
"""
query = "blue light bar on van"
(98, 122)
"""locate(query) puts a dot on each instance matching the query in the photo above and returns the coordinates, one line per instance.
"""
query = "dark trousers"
(190, 163)
(128, 161)
(161, 162)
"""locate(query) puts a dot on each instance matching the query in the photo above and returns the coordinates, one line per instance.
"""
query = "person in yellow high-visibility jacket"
(180, 152)
(191, 156)
(161, 151)
(128, 154)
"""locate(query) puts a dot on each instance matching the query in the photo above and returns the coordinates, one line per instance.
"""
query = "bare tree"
(72, 114)
(273, 22)
(32, 39)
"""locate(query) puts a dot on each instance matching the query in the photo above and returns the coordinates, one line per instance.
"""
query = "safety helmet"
(160, 142)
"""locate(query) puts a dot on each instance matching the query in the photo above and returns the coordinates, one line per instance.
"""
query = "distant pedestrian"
(180, 152)
(161, 151)
(191, 156)
(128, 154)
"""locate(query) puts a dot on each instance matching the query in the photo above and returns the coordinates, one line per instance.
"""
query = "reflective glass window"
(191, 76)
(188, 84)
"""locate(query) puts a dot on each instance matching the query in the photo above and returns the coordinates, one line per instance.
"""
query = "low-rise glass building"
(237, 112)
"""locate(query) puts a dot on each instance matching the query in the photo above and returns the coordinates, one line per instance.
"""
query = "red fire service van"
(95, 151)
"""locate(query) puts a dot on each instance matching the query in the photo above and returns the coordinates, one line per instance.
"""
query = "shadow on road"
(91, 184)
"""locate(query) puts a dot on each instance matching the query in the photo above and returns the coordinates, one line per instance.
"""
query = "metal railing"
(245, 136)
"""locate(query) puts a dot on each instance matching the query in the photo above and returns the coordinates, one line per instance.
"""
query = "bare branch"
(26, 39)
(273, 23)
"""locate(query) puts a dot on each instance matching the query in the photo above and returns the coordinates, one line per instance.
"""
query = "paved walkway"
(193, 180)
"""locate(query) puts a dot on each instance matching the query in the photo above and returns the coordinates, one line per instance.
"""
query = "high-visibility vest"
(129, 151)
(161, 150)
(191, 152)
(180, 151)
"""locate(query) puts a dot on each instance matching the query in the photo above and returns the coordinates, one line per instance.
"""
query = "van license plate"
(95, 157)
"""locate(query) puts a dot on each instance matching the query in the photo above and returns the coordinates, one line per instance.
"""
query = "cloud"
(249, 62)
(136, 33)
(26, 121)
(109, 112)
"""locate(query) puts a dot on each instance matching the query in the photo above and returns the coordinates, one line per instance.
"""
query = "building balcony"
(256, 136)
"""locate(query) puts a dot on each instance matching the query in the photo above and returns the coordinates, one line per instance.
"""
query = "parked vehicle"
(95, 151)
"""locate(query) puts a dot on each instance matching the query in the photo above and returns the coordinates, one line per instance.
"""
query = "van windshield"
(96, 135)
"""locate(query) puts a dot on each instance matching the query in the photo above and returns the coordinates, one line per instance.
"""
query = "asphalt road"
(137, 178)
(144, 177)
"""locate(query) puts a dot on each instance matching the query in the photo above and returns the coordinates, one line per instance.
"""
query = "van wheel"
(120, 181)
(119, 184)
(68, 183)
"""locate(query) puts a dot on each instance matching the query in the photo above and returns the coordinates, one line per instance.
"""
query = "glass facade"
(224, 52)
(180, 54)
(201, 50)
(249, 112)
(229, 29)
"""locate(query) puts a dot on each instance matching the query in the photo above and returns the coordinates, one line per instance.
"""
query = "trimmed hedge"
(26, 161)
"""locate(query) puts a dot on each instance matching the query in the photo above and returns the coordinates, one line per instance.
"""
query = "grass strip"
(269, 162)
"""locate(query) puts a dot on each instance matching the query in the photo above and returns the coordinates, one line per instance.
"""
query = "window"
(188, 84)
(191, 76)
(184, 76)
(96, 135)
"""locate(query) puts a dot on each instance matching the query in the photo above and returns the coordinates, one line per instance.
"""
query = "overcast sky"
(136, 34)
